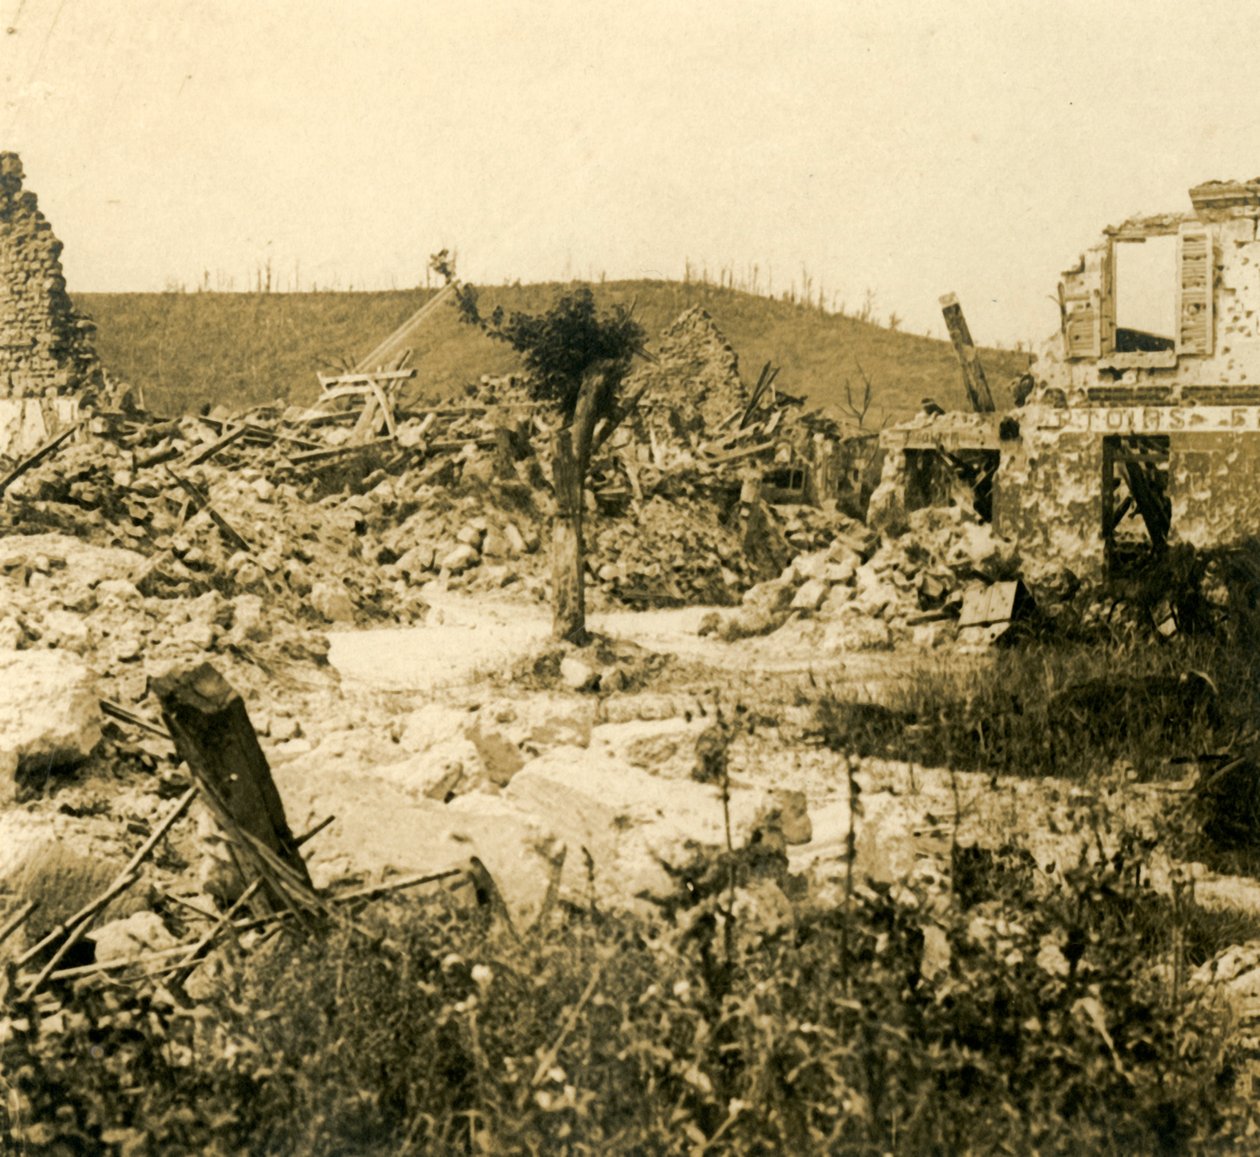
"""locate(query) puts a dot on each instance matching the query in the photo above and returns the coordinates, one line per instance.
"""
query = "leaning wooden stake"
(122, 882)
(213, 734)
(17, 919)
(973, 372)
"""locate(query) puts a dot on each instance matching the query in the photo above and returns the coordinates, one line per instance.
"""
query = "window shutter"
(1082, 326)
(1107, 303)
(1194, 290)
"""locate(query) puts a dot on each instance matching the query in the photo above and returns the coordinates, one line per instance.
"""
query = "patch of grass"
(1068, 711)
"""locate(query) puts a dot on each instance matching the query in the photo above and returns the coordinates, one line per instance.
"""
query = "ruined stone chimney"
(45, 345)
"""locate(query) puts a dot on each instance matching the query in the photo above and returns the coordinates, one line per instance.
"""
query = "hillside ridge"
(234, 349)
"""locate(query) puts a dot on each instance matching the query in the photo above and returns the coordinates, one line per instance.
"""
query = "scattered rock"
(49, 714)
(332, 601)
(578, 674)
(133, 935)
(460, 558)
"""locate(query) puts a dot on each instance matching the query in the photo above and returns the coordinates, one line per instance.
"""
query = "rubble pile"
(870, 593)
(675, 551)
(96, 603)
(343, 511)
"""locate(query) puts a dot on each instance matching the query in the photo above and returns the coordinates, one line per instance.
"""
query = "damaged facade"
(1141, 428)
(46, 355)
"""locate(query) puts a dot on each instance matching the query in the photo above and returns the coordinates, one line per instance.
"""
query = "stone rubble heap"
(870, 593)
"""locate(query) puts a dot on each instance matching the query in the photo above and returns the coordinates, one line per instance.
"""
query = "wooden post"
(213, 734)
(973, 372)
(504, 456)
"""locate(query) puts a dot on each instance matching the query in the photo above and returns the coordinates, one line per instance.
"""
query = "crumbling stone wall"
(698, 369)
(1047, 498)
(45, 345)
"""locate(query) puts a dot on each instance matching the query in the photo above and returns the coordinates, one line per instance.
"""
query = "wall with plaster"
(1047, 498)
(1214, 483)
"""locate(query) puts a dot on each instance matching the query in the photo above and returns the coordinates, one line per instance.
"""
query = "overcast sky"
(909, 149)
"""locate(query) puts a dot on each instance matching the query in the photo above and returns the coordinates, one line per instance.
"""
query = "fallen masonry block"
(988, 613)
(49, 715)
(810, 595)
(578, 674)
(460, 558)
(332, 602)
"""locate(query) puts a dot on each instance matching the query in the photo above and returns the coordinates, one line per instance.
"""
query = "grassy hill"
(241, 348)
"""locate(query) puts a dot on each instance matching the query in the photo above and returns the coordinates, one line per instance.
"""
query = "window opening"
(1145, 287)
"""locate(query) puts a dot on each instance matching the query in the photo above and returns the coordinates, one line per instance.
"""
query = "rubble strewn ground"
(375, 589)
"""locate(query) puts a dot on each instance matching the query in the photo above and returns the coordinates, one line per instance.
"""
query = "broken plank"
(123, 715)
(395, 885)
(14, 922)
(45, 451)
(743, 452)
(764, 381)
(969, 358)
(337, 418)
(458, 444)
(209, 450)
(71, 931)
(338, 451)
(203, 503)
(326, 380)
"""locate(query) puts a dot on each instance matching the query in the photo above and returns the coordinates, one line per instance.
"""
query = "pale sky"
(911, 149)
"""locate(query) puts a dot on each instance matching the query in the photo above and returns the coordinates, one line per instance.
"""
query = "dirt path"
(466, 638)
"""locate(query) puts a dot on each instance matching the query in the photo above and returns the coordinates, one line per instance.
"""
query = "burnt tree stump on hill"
(213, 734)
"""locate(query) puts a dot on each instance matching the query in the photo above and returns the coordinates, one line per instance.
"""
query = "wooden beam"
(210, 449)
(973, 372)
(364, 379)
(349, 448)
(203, 503)
(404, 331)
(45, 451)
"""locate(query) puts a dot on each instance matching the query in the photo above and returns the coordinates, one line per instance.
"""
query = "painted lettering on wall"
(1149, 419)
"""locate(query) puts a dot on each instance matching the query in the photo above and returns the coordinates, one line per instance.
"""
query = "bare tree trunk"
(568, 556)
(571, 459)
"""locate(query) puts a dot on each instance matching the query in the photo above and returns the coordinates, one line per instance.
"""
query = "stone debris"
(50, 717)
(871, 593)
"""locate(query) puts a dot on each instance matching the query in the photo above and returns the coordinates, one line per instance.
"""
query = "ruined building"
(1140, 425)
(46, 356)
